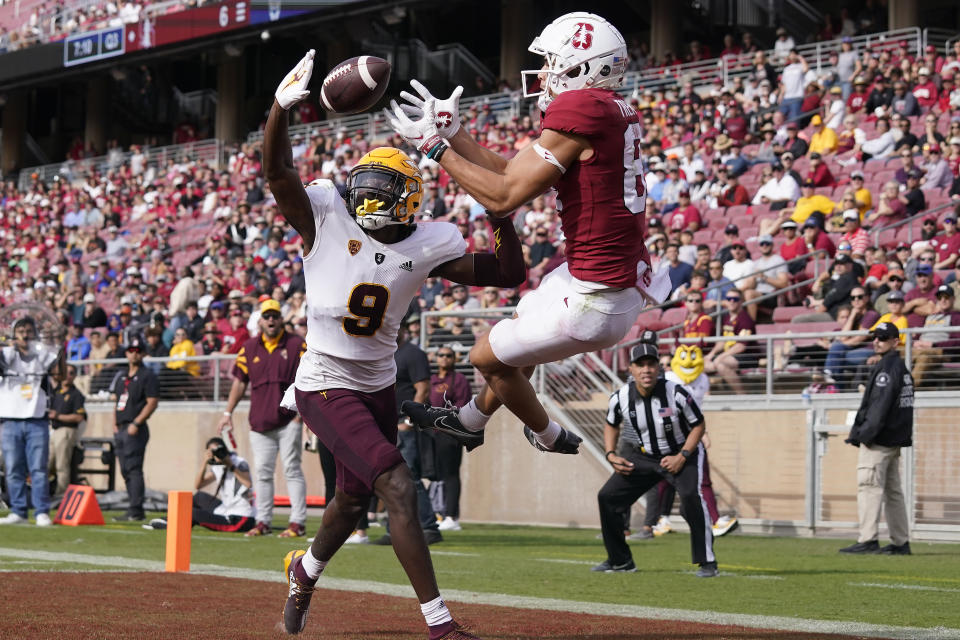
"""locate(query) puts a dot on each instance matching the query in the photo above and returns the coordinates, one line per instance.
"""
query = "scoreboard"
(95, 45)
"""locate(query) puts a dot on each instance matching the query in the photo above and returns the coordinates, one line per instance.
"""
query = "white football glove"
(447, 111)
(422, 133)
(293, 89)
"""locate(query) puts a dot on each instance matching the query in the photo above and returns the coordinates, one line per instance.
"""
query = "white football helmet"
(581, 51)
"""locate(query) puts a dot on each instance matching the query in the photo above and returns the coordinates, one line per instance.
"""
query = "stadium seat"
(736, 210)
(673, 316)
(787, 314)
(819, 328)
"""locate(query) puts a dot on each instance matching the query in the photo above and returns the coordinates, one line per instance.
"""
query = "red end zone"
(157, 605)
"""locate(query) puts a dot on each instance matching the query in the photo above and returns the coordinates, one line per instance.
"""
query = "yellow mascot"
(686, 368)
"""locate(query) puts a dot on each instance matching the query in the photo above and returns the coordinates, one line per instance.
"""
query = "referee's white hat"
(644, 350)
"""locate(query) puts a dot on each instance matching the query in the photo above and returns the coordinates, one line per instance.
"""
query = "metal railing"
(942, 39)
(203, 378)
(210, 151)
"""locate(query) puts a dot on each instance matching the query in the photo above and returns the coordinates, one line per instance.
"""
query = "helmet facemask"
(375, 194)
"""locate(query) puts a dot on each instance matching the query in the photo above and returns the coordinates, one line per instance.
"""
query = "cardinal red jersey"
(602, 199)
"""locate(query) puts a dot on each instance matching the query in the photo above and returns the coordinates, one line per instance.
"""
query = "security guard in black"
(135, 391)
(885, 416)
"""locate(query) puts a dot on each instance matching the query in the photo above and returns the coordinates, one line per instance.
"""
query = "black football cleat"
(567, 442)
(443, 419)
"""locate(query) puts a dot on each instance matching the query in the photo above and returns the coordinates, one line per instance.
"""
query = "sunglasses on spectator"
(929, 223)
(540, 234)
(732, 299)
(765, 243)
(444, 355)
(858, 178)
(737, 246)
(949, 221)
(926, 259)
(858, 297)
(694, 300)
(896, 279)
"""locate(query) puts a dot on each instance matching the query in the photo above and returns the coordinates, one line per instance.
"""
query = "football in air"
(355, 85)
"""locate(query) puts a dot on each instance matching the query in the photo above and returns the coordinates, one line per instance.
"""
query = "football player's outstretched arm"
(525, 176)
(464, 144)
(502, 268)
(278, 167)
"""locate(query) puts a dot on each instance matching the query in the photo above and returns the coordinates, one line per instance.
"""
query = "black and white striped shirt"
(660, 422)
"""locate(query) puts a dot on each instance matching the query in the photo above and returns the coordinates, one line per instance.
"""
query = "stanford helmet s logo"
(583, 37)
(444, 119)
(353, 246)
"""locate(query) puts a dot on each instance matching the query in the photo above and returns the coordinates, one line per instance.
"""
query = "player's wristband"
(686, 454)
(607, 455)
(434, 147)
(228, 414)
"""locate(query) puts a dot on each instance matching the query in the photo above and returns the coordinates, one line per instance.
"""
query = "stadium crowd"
(754, 175)
(49, 21)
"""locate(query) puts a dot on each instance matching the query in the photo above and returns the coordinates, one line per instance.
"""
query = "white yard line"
(780, 623)
(908, 587)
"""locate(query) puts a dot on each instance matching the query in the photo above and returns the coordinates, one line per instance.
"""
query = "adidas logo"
(407, 266)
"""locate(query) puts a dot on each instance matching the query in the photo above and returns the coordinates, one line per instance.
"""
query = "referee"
(660, 441)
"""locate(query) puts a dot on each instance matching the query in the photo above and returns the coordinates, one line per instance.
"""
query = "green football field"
(761, 575)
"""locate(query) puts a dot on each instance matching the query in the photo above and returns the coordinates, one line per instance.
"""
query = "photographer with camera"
(230, 506)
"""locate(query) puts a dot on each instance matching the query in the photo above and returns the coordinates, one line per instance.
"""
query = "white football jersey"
(358, 291)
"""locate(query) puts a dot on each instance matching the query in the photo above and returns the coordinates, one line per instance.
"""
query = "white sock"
(311, 566)
(548, 436)
(435, 612)
(471, 417)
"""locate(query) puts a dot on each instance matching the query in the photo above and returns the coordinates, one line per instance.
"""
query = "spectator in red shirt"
(948, 244)
(237, 334)
(789, 249)
(813, 239)
(733, 194)
(854, 234)
(925, 91)
(943, 101)
(858, 98)
(218, 316)
(819, 172)
(735, 123)
(685, 216)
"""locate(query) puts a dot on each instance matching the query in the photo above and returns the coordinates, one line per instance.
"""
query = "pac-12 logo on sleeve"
(583, 38)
